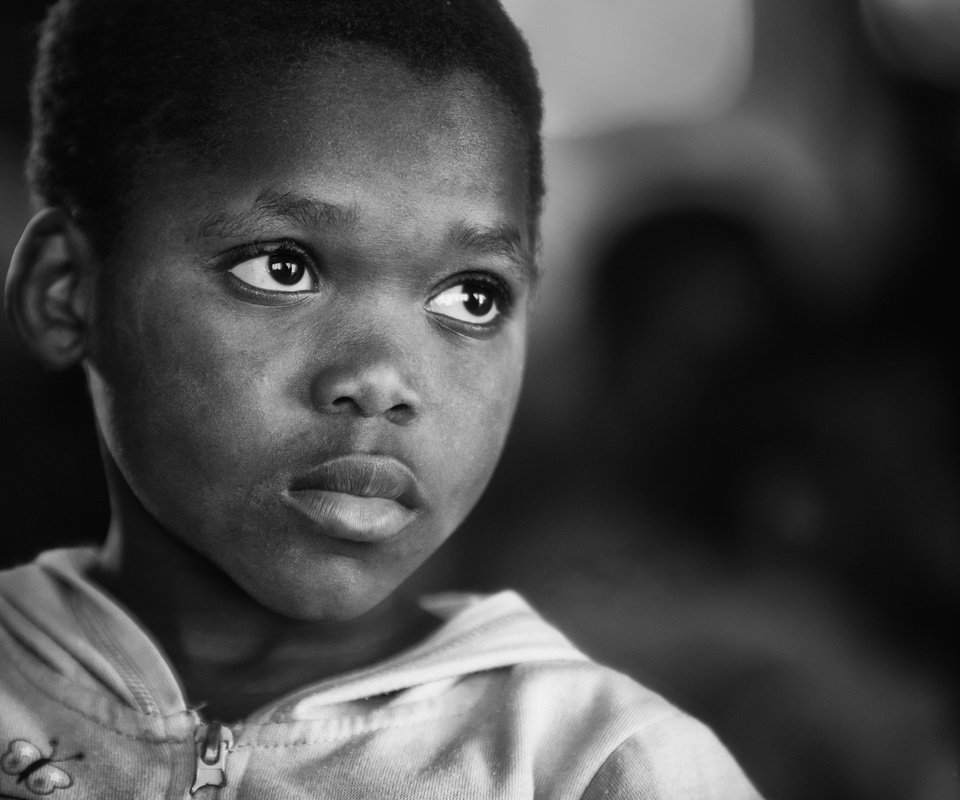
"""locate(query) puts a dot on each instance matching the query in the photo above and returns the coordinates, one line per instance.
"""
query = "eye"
(474, 301)
(280, 271)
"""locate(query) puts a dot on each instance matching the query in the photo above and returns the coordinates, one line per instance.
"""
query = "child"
(292, 242)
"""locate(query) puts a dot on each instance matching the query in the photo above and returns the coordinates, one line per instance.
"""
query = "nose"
(367, 384)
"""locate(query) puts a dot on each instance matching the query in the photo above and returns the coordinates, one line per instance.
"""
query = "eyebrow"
(306, 211)
(496, 240)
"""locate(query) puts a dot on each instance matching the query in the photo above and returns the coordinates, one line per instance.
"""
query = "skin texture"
(211, 399)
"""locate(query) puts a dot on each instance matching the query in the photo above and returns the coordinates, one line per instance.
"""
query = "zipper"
(214, 742)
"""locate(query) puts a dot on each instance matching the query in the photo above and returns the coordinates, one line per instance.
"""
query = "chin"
(332, 592)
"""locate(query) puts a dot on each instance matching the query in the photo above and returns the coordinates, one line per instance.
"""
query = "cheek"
(478, 407)
(183, 393)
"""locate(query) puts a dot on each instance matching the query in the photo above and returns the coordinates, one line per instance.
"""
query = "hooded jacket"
(494, 704)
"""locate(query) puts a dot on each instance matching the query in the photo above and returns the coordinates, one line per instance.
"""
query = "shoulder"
(677, 757)
(601, 734)
(584, 730)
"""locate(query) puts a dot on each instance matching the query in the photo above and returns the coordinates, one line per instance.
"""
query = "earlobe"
(47, 291)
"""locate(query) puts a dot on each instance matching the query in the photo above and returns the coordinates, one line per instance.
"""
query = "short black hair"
(119, 83)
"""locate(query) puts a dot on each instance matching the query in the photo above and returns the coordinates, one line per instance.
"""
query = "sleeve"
(678, 759)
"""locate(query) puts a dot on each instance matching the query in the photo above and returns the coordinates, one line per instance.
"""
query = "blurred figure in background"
(734, 472)
(756, 502)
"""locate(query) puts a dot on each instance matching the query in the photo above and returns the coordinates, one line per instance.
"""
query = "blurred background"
(734, 471)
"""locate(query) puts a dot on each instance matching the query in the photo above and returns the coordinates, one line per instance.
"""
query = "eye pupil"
(285, 270)
(478, 303)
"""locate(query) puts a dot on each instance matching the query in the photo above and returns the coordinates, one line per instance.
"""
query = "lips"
(359, 498)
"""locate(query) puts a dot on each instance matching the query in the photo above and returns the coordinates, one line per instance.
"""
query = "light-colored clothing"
(494, 704)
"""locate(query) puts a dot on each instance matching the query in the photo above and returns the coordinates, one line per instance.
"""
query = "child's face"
(336, 308)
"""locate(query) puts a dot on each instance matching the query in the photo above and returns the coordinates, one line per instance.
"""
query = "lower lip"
(351, 517)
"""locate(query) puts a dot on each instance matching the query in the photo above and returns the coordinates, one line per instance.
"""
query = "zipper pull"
(213, 744)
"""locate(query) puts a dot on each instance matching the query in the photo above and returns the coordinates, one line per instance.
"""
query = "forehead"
(387, 106)
(370, 116)
(364, 135)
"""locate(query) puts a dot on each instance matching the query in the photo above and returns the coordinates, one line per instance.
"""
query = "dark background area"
(734, 470)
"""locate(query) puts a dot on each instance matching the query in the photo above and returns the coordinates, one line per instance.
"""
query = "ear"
(48, 288)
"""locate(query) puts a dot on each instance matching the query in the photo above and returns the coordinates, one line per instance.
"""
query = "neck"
(232, 654)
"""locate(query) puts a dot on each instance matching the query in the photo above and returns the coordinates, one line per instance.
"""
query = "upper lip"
(363, 475)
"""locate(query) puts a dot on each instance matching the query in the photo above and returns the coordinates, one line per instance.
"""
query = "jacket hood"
(85, 635)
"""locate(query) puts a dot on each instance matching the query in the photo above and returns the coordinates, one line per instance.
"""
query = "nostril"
(345, 405)
(400, 414)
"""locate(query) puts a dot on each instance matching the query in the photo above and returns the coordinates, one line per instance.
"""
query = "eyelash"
(502, 294)
(500, 290)
(283, 247)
